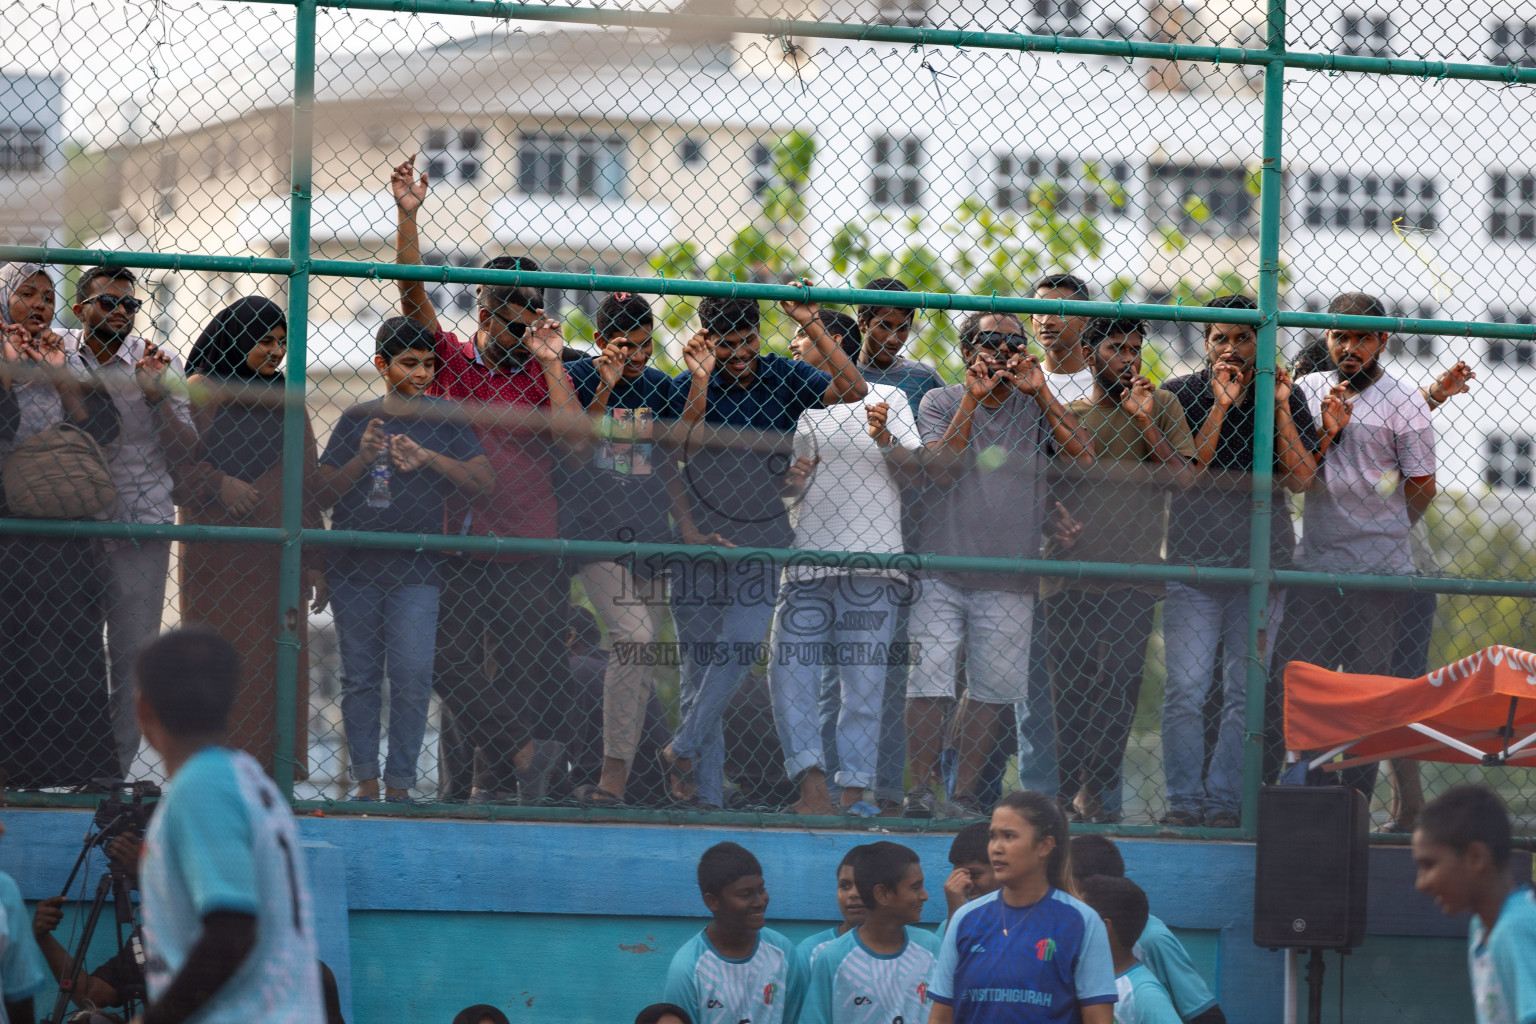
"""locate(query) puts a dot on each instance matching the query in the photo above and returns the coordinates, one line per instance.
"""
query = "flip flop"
(596, 796)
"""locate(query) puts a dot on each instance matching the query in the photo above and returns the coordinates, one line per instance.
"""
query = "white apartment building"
(595, 149)
(31, 159)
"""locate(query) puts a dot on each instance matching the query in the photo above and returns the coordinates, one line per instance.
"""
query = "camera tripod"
(115, 885)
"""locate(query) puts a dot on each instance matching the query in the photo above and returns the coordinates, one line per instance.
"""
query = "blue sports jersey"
(809, 948)
(223, 838)
(1143, 999)
(1503, 962)
(1000, 964)
(764, 988)
(23, 971)
(851, 984)
(1165, 956)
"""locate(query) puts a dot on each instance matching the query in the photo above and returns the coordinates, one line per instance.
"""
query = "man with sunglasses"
(157, 434)
(990, 439)
(513, 605)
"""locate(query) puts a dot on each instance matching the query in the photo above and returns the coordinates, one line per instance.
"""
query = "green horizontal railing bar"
(45, 254)
(849, 559)
(946, 37)
(695, 288)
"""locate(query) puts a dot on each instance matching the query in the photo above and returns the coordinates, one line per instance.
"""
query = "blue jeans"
(891, 758)
(379, 626)
(1196, 620)
(722, 613)
(1036, 718)
(845, 624)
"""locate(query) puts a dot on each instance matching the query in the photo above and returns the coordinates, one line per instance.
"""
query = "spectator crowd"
(888, 688)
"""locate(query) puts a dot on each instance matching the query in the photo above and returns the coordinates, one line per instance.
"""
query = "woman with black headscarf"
(235, 373)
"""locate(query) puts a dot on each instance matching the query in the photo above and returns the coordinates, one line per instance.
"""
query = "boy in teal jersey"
(1159, 950)
(736, 971)
(878, 972)
(848, 905)
(23, 972)
(228, 933)
(1461, 848)
(1123, 907)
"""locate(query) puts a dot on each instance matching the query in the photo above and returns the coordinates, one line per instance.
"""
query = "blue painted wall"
(575, 924)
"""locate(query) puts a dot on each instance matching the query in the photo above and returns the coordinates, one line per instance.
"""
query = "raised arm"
(1069, 434)
(1298, 466)
(847, 383)
(410, 192)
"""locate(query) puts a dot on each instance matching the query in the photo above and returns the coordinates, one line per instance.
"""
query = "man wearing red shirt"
(511, 606)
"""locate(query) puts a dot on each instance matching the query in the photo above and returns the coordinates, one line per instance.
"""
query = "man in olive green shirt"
(1097, 630)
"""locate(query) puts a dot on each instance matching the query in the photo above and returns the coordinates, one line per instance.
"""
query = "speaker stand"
(1314, 986)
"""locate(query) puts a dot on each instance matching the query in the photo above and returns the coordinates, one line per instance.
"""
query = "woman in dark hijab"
(236, 380)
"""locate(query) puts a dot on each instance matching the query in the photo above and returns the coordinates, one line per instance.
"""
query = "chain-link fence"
(848, 407)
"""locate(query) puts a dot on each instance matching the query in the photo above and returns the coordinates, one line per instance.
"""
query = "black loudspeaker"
(1309, 889)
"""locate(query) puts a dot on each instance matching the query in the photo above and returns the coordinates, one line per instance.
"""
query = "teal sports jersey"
(1503, 962)
(851, 984)
(223, 838)
(23, 971)
(1000, 964)
(765, 988)
(1162, 952)
(1143, 999)
(808, 948)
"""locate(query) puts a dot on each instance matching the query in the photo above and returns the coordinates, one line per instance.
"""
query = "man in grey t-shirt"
(989, 440)
(1377, 477)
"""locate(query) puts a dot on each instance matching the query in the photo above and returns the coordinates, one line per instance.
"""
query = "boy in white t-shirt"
(838, 625)
(1376, 451)
(877, 972)
(736, 970)
(1123, 907)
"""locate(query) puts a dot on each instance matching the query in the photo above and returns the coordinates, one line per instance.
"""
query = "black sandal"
(596, 796)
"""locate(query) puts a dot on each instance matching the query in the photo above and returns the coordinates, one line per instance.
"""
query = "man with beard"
(1096, 630)
(989, 441)
(1209, 526)
(513, 605)
(157, 434)
(1377, 450)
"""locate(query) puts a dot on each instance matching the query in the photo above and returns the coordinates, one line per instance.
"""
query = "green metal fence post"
(1271, 182)
(290, 606)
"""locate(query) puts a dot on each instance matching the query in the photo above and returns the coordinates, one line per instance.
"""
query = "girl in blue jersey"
(1031, 952)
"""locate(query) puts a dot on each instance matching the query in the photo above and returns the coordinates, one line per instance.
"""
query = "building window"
(21, 149)
(1510, 461)
(1184, 339)
(1200, 199)
(1368, 202)
(580, 166)
(1059, 18)
(1072, 186)
(453, 156)
(1512, 200)
(902, 12)
(898, 177)
(1512, 42)
(1362, 35)
(1511, 351)
(1419, 346)
(690, 152)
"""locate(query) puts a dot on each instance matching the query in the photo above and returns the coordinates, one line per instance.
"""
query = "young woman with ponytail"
(1031, 951)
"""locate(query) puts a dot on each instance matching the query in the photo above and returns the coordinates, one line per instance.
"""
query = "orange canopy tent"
(1479, 710)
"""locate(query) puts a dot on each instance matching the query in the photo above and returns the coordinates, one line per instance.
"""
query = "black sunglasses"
(516, 327)
(1000, 342)
(107, 303)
